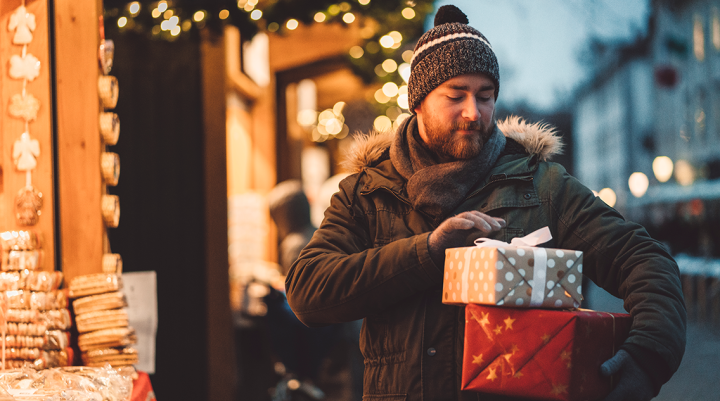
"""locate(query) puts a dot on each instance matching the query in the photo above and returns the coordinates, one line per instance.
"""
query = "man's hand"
(453, 232)
(634, 383)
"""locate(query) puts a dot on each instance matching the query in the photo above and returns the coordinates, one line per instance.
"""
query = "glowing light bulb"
(382, 123)
(122, 21)
(390, 89)
(356, 52)
(134, 8)
(638, 184)
(662, 168)
(292, 24)
(387, 41)
(389, 65)
(684, 173)
(608, 196)
(349, 18)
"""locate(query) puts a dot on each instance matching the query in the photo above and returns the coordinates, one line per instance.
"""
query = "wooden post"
(220, 350)
(12, 180)
(78, 136)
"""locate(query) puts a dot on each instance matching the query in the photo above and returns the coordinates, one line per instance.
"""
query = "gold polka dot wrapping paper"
(513, 276)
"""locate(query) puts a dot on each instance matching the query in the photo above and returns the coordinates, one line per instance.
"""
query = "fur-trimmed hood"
(538, 138)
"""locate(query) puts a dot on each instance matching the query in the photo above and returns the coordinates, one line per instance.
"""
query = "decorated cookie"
(27, 67)
(24, 107)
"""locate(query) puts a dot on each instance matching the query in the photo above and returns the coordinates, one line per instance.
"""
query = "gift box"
(518, 274)
(539, 353)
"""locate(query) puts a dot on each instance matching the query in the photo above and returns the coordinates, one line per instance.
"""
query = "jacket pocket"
(385, 397)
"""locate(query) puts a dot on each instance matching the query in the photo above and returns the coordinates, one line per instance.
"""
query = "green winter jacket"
(369, 259)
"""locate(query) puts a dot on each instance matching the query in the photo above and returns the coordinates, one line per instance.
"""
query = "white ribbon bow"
(533, 239)
(539, 271)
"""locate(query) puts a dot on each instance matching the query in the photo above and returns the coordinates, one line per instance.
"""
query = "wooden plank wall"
(79, 145)
(12, 180)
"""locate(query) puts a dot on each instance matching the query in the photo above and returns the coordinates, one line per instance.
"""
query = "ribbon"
(539, 270)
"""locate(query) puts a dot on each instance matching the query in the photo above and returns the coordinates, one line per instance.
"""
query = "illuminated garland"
(388, 28)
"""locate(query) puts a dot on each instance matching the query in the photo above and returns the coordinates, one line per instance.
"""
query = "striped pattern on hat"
(449, 49)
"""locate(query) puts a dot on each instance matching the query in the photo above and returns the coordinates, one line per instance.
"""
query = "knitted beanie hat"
(450, 48)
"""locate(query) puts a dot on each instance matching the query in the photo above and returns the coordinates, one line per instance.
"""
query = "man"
(450, 175)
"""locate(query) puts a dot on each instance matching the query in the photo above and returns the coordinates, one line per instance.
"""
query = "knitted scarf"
(438, 188)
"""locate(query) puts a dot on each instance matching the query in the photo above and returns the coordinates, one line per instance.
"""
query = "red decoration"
(666, 76)
(539, 353)
(142, 389)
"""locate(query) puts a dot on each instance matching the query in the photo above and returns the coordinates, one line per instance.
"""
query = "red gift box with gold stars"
(540, 354)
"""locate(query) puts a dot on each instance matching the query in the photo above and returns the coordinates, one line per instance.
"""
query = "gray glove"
(634, 384)
(453, 232)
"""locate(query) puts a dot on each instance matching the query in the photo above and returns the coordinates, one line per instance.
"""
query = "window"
(698, 38)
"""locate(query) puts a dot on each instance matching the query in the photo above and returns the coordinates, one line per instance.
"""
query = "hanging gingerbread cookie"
(23, 23)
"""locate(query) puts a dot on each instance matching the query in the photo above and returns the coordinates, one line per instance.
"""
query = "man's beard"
(447, 144)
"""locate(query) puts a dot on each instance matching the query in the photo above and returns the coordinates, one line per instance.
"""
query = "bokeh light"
(382, 123)
(608, 196)
(349, 18)
(199, 16)
(662, 168)
(638, 183)
(684, 173)
(356, 52)
(408, 13)
(389, 65)
(390, 89)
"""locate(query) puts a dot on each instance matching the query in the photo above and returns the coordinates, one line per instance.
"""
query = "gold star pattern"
(492, 376)
(545, 337)
(518, 375)
(498, 330)
(507, 357)
(569, 364)
(484, 319)
(478, 360)
(559, 389)
(508, 323)
(565, 355)
(514, 348)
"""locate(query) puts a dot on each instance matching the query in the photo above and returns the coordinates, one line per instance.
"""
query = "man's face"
(456, 118)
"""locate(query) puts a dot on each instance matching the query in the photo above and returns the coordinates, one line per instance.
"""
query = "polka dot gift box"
(518, 274)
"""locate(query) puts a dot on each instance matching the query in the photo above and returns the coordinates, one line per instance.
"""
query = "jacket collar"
(370, 155)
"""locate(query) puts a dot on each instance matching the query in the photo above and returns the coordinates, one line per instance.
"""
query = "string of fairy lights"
(387, 28)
